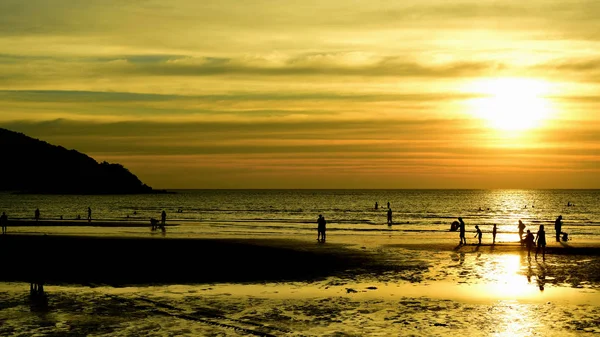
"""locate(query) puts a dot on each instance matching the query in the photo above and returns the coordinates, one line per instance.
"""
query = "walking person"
(89, 214)
(558, 227)
(389, 217)
(461, 228)
(479, 234)
(494, 231)
(529, 242)
(540, 238)
(3, 222)
(521, 230)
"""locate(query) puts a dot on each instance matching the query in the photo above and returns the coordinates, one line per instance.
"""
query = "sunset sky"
(312, 94)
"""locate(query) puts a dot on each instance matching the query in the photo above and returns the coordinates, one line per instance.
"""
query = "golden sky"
(312, 94)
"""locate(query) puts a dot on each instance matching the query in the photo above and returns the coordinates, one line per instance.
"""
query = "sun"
(511, 103)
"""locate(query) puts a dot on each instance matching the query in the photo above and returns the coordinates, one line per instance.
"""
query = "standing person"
(461, 227)
(494, 231)
(321, 228)
(541, 242)
(529, 242)
(388, 204)
(163, 218)
(558, 227)
(3, 222)
(389, 217)
(376, 205)
(479, 234)
(521, 229)
(37, 214)
(89, 214)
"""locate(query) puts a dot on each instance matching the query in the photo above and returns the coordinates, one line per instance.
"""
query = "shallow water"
(348, 212)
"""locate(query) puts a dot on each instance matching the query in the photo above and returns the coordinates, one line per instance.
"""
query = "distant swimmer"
(89, 214)
(479, 234)
(37, 214)
(3, 222)
(376, 205)
(389, 217)
(461, 227)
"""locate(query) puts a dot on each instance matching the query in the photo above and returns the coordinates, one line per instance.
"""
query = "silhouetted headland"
(34, 166)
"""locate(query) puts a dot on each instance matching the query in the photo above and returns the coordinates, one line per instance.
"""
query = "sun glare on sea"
(511, 103)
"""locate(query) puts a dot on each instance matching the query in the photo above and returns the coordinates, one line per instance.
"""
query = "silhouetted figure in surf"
(389, 217)
(321, 228)
(558, 227)
(37, 214)
(376, 205)
(494, 231)
(163, 218)
(529, 242)
(521, 229)
(3, 222)
(153, 224)
(78, 217)
(479, 234)
(388, 204)
(461, 227)
(541, 242)
(89, 214)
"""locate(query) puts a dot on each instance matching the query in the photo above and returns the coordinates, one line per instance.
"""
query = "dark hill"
(33, 166)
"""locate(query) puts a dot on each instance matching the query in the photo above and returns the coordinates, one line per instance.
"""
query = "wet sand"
(298, 287)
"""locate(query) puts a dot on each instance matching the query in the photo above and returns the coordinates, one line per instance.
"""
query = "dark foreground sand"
(295, 287)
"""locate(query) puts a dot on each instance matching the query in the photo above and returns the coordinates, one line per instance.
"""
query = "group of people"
(389, 212)
(529, 240)
(36, 215)
(154, 224)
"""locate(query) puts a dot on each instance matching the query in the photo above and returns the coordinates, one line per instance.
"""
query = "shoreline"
(82, 223)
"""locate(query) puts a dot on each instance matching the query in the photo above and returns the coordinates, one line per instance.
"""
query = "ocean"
(264, 213)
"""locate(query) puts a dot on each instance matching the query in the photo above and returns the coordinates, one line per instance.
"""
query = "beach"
(296, 286)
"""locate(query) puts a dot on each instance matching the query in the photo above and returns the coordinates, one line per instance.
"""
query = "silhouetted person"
(494, 231)
(78, 217)
(89, 214)
(163, 218)
(529, 242)
(321, 228)
(558, 227)
(153, 224)
(541, 242)
(389, 217)
(479, 234)
(388, 204)
(521, 230)
(3, 222)
(376, 205)
(461, 227)
(37, 214)
(454, 226)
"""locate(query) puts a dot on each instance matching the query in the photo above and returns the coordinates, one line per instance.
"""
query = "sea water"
(264, 213)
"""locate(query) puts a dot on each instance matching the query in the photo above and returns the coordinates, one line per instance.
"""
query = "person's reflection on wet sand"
(541, 276)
